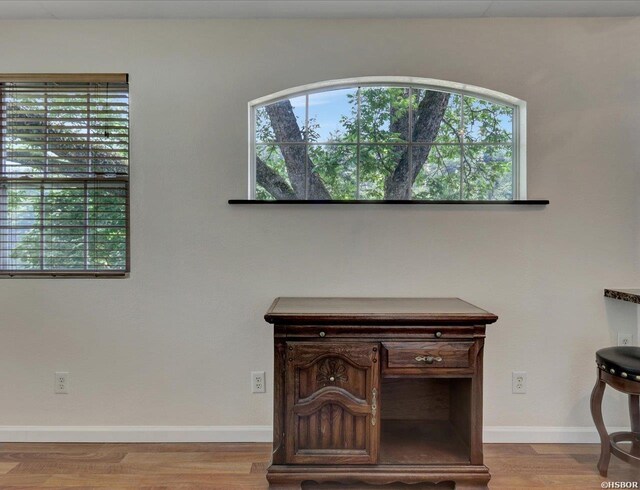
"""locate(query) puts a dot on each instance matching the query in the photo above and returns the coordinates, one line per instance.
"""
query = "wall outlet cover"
(257, 382)
(518, 382)
(61, 384)
(625, 338)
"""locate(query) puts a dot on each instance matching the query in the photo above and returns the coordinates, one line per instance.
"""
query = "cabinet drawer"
(428, 355)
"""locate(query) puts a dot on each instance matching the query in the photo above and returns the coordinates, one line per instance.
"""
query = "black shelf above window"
(523, 202)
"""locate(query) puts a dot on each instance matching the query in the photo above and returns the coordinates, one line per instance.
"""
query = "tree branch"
(272, 182)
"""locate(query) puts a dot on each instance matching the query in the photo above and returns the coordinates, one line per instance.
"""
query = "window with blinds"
(64, 175)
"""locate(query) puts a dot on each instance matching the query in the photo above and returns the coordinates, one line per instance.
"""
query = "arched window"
(387, 138)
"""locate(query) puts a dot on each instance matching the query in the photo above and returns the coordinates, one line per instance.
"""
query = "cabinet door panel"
(332, 427)
(332, 402)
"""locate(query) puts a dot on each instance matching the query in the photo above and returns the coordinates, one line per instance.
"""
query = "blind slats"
(64, 190)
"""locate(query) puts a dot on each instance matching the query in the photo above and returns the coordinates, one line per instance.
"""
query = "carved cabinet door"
(332, 406)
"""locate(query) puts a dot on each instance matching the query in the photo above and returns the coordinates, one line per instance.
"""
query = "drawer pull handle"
(322, 334)
(428, 359)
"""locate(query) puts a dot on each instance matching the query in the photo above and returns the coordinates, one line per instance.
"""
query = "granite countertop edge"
(629, 295)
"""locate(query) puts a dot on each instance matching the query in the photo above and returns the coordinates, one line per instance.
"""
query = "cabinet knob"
(322, 334)
(438, 334)
(332, 378)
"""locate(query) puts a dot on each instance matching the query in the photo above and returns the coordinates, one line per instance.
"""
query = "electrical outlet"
(518, 382)
(257, 382)
(61, 385)
(625, 338)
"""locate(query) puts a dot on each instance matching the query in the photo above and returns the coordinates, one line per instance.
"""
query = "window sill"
(524, 202)
(63, 274)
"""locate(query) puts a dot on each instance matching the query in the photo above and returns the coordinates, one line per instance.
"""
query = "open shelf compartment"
(425, 421)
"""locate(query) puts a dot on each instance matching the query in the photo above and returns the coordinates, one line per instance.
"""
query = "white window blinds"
(64, 175)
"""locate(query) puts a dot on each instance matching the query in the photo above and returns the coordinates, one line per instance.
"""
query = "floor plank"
(6, 467)
(566, 448)
(199, 456)
(242, 466)
(160, 467)
(10, 453)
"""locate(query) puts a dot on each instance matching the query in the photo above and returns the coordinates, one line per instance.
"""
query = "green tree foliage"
(468, 155)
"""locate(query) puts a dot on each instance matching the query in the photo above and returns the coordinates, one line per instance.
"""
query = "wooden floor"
(242, 466)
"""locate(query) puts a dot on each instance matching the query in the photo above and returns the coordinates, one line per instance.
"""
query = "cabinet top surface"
(377, 310)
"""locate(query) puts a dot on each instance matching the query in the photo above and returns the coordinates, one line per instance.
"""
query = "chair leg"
(596, 413)
(634, 415)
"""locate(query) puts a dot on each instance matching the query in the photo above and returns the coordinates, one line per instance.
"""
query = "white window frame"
(519, 115)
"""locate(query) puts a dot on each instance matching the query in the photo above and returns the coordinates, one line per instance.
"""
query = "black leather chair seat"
(620, 361)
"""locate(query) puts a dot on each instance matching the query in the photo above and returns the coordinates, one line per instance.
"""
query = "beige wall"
(174, 343)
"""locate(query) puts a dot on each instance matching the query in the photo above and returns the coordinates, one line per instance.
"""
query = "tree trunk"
(286, 129)
(428, 117)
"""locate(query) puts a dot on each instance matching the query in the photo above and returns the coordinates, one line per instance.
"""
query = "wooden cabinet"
(378, 390)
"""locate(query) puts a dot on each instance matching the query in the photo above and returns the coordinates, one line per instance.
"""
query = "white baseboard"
(163, 433)
(260, 433)
(558, 435)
